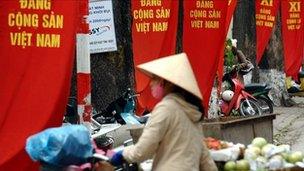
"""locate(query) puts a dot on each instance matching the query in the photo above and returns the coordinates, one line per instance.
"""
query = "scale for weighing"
(106, 128)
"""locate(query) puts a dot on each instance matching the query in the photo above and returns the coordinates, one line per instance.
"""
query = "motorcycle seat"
(254, 86)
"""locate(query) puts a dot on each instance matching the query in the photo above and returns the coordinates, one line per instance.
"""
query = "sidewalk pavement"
(288, 127)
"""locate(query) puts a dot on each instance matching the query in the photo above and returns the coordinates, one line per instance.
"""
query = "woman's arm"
(207, 163)
(242, 60)
(152, 135)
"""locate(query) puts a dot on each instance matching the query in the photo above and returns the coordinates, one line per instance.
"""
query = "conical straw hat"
(176, 69)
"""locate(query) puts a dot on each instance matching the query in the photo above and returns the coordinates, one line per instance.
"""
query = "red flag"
(154, 35)
(37, 50)
(293, 35)
(265, 14)
(204, 36)
(230, 12)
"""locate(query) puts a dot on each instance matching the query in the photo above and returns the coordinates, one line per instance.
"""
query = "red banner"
(37, 51)
(230, 12)
(293, 35)
(204, 36)
(154, 35)
(265, 15)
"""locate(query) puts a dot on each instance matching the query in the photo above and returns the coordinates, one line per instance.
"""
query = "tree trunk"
(244, 31)
(179, 35)
(112, 72)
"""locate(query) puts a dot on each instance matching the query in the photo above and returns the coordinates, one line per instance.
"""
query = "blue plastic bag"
(63, 146)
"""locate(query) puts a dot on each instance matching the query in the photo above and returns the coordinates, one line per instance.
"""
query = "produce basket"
(261, 155)
(240, 129)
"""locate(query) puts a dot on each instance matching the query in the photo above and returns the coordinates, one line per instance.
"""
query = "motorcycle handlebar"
(101, 157)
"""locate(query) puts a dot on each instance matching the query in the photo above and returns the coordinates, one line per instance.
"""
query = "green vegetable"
(229, 56)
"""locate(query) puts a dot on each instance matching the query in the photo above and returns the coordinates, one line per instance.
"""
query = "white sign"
(101, 24)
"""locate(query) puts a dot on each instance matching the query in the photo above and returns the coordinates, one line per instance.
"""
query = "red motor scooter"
(237, 98)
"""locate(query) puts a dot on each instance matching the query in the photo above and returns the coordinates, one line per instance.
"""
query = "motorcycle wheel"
(265, 104)
(249, 107)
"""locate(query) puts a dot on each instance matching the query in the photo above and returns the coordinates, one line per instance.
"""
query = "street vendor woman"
(173, 136)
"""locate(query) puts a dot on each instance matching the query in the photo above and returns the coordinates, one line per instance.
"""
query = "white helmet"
(227, 95)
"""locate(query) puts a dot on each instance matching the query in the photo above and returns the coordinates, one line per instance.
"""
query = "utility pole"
(83, 69)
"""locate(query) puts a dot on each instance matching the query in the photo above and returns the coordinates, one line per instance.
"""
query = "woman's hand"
(243, 65)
